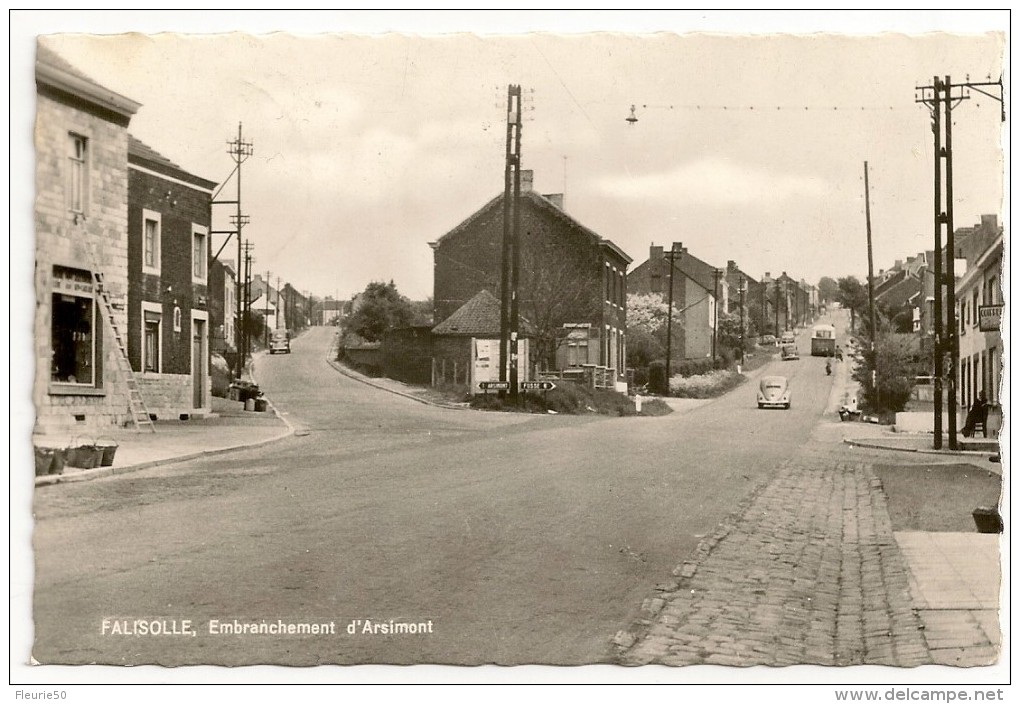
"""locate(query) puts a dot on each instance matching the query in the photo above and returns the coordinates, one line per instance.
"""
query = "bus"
(823, 340)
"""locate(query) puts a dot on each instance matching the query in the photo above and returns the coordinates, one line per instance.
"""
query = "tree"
(379, 308)
(852, 295)
(828, 290)
(886, 374)
(730, 337)
(646, 328)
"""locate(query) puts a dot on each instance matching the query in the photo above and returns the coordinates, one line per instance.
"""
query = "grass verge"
(937, 498)
(573, 399)
(708, 385)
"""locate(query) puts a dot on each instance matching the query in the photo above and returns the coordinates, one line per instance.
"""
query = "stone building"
(81, 211)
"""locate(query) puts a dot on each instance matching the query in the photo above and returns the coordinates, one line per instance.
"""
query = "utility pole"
(276, 315)
(246, 315)
(871, 288)
(508, 318)
(239, 150)
(267, 308)
(716, 273)
(515, 264)
(776, 284)
(676, 250)
(741, 287)
(939, 97)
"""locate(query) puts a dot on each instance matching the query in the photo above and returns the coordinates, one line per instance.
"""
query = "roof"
(142, 154)
(53, 71)
(480, 316)
(545, 204)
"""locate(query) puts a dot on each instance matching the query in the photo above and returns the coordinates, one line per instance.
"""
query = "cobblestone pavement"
(806, 572)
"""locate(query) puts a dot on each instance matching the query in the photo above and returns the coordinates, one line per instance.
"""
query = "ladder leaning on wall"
(140, 417)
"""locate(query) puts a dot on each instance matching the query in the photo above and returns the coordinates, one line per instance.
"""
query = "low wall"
(923, 421)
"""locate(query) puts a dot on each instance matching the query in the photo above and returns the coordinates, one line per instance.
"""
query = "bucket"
(249, 404)
(987, 519)
(84, 456)
(44, 460)
(108, 450)
(261, 405)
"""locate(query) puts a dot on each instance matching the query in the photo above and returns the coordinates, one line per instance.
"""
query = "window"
(199, 254)
(150, 242)
(977, 312)
(77, 173)
(72, 328)
(177, 318)
(151, 340)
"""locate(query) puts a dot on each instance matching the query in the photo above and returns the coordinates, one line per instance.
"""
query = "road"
(522, 539)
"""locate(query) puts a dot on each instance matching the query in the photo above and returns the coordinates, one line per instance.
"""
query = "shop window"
(73, 330)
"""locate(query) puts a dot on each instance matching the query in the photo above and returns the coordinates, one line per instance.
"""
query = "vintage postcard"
(624, 349)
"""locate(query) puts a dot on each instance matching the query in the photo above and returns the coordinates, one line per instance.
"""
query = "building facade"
(169, 218)
(696, 286)
(81, 211)
(573, 283)
(979, 311)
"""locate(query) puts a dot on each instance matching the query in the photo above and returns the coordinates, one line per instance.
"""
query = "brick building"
(169, 217)
(81, 211)
(222, 306)
(571, 279)
(694, 295)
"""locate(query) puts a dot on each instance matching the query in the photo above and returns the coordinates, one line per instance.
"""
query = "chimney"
(527, 180)
(554, 198)
(655, 257)
(899, 264)
(731, 265)
(989, 221)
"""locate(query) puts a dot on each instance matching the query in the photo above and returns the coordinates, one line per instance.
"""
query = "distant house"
(695, 286)
(222, 306)
(169, 218)
(733, 278)
(573, 282)
(81, 228)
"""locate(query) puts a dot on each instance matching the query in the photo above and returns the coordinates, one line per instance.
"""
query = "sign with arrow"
(494, 385)
(537, 386)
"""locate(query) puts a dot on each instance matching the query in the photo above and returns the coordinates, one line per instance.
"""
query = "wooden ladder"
(140, 417)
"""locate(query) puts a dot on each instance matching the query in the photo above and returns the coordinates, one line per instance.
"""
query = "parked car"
(280, 342)
(790, 352)
(788, 338)
(768, 340)
(774, 392)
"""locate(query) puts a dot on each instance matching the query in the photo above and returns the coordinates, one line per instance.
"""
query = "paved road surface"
(523, 539)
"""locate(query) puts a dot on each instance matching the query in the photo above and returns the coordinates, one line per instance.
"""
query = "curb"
(923, 451)
(364, 380)
(98, 472)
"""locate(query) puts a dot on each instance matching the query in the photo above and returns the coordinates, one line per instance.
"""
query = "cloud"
(714, 181)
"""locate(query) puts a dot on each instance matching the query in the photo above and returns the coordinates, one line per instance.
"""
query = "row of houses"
(572, 297)
(906, 294)
(127, 293)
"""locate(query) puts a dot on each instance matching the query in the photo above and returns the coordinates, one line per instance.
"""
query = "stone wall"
(168, 396)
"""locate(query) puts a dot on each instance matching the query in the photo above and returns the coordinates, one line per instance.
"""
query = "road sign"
(494, 385)
(537, 386)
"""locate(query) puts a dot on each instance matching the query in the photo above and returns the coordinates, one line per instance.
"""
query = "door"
(198, 362)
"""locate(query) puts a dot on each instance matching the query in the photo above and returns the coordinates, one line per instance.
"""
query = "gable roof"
(544, 204)
(480, 316)
(141, 154)
(55, 72)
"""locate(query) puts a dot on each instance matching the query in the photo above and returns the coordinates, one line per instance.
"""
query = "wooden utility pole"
(511, 187)
(716, 273)
(675, 252)
(871, 286)
(741, 288)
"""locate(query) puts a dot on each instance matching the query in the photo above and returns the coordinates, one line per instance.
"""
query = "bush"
(569, 398)
(697, 367)
(714, 383)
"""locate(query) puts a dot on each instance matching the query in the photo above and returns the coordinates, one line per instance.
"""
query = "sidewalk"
(808, 570)
(230, 427)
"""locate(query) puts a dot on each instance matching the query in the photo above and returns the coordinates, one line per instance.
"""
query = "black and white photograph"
(669, 346)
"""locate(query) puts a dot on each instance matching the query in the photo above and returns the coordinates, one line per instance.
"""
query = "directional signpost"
(494, 385)
(537, 386)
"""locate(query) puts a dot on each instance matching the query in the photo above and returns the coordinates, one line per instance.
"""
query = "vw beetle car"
(774, 392)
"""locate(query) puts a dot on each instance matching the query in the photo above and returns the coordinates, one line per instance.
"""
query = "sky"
(749, 146)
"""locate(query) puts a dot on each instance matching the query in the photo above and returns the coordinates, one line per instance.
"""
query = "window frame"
(157, 309)
(80, 166)
(155, 268)
(74, 290)
(200, 231)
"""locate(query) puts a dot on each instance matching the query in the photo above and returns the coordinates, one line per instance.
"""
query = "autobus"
(823, 340)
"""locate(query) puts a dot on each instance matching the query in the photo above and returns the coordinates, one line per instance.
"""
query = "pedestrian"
(828, 368)
(978, 414)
